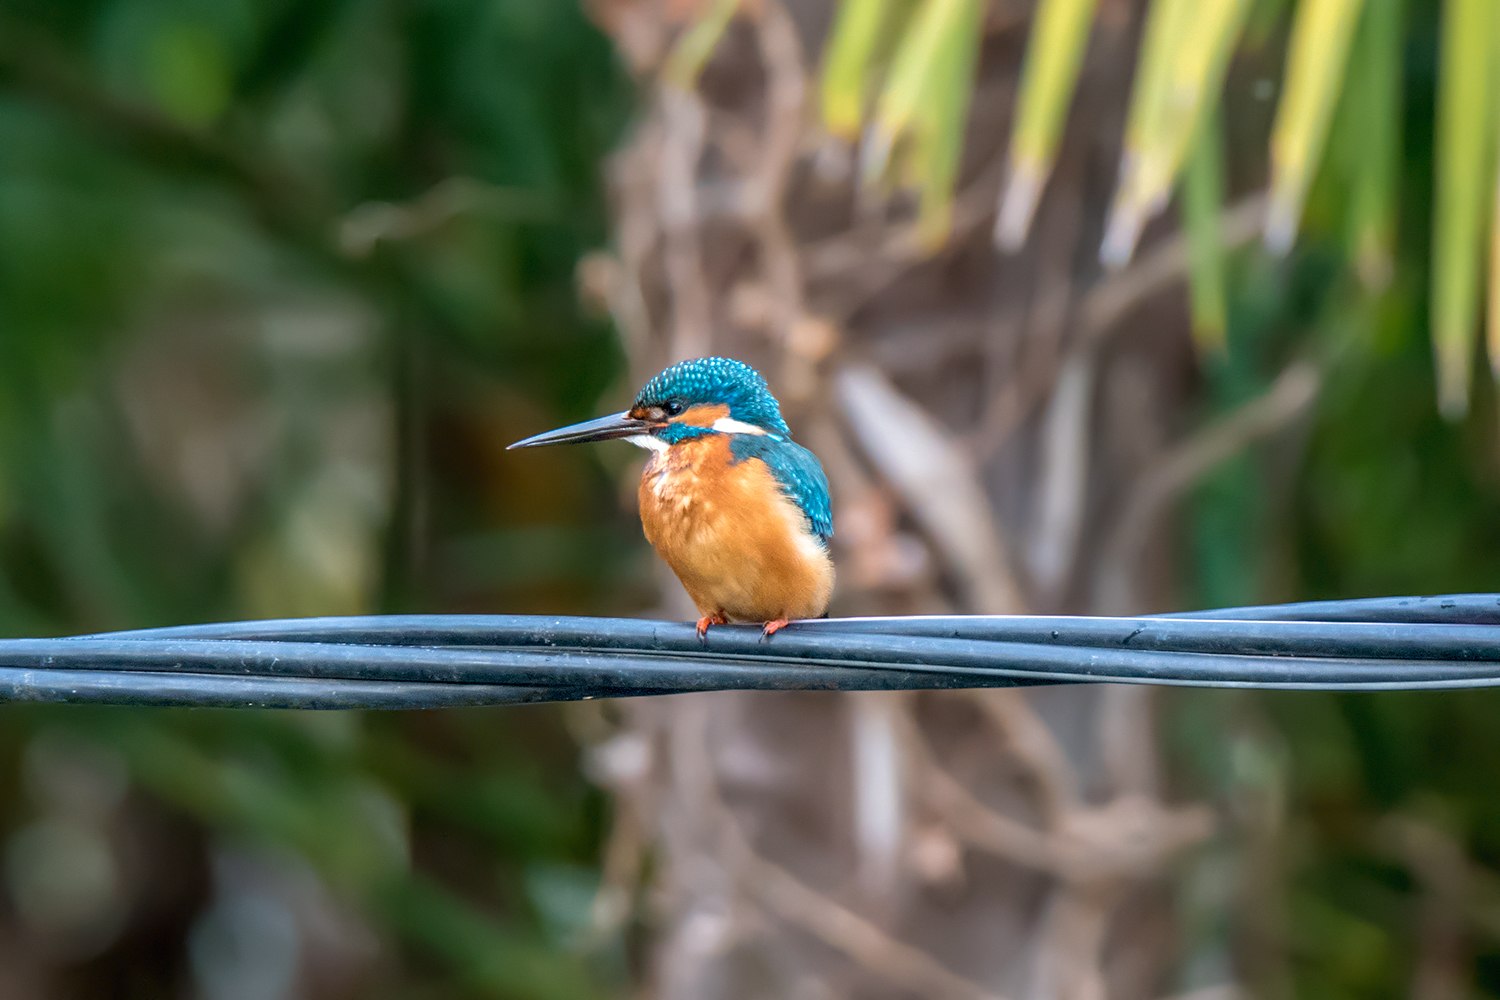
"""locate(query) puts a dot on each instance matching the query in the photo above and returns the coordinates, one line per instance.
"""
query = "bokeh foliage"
(279, 280)
(276, 281)
(1367, 854)
(1342, 72)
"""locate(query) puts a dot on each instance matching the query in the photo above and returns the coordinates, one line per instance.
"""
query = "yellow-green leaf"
(1187, 48)
(1263, 20)
(913, 67)
(1315, 67)
(697, 44)
(1465, 134)
(939, 126)
(190, 72)
(1370, 126)
(1202, 199)
(1059, 36)
(849, 64)
(1494, 314)
(1164, 22)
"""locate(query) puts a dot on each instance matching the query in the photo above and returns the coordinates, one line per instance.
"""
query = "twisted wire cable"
(436, 661)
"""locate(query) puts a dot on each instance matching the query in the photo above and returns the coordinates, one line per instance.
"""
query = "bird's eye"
(673, 407)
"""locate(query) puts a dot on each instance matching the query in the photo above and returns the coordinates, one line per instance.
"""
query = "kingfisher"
(735, 507)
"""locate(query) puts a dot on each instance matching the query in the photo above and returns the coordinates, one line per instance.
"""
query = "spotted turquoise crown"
(717, 380)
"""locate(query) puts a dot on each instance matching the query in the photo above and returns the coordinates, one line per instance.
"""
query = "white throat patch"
(648, 441)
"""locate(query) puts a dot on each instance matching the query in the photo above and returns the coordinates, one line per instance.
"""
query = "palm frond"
(900, 73)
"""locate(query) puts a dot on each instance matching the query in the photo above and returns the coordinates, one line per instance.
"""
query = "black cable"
(1292, 637)
(424, 661)
(1454, 609)
(884, 640)
(185, 689)
(596, 672)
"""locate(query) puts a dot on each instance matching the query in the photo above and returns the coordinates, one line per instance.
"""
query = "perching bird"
(736, 507)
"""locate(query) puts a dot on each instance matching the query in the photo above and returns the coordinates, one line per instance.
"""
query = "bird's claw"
(772, 627)
(706, 621)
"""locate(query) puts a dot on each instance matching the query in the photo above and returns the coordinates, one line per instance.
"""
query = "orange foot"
(717, 618)
(772, 627)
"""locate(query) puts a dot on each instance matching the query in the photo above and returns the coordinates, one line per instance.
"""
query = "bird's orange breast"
(739, 545)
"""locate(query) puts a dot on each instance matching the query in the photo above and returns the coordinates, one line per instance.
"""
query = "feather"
(797, 471)
(734, 535)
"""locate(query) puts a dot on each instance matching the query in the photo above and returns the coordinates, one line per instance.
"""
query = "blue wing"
(797, 470)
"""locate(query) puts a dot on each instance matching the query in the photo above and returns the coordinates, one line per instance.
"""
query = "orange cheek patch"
(703, 416)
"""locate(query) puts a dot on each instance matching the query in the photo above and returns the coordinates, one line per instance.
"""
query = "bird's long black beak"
(616, 425)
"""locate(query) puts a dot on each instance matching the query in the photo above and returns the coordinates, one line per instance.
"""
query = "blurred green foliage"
(278, 281)
(1369, 831)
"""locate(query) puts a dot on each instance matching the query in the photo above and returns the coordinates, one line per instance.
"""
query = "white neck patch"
(729, 425)
(724, 425)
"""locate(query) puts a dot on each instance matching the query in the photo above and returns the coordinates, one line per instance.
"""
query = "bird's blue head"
(690, 399)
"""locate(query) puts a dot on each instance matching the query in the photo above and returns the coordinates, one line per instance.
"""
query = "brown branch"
(798, 904)
(1070, 962)
(1035, 749)
(938, 484)
(1099, 315)
(978, 824)
(1062, 477)
(879, 253)
(786, 89)
(374, 222)
(682, 143)
(842, 928)
(1158, 269)
(1442, 873)
(1184, 465)
(1222, 991)
(1128, 837)
(637, 232)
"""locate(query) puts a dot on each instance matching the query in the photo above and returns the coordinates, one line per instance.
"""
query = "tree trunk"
(982, 418)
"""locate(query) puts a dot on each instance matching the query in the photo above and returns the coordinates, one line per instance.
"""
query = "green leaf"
(1059, 38)
(1186, 51)
(1202, 197)
(942, 114)
(189, 73)
(1370, 129)
(1465, 136)
(1493, 321)
(1147, 98)
(915, 66)
(849, 64)
(1321, 36)
(697, 44)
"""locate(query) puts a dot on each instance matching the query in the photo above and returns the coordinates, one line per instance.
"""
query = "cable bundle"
(434, 661)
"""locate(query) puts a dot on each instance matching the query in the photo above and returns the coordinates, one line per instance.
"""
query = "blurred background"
(1088, 306)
